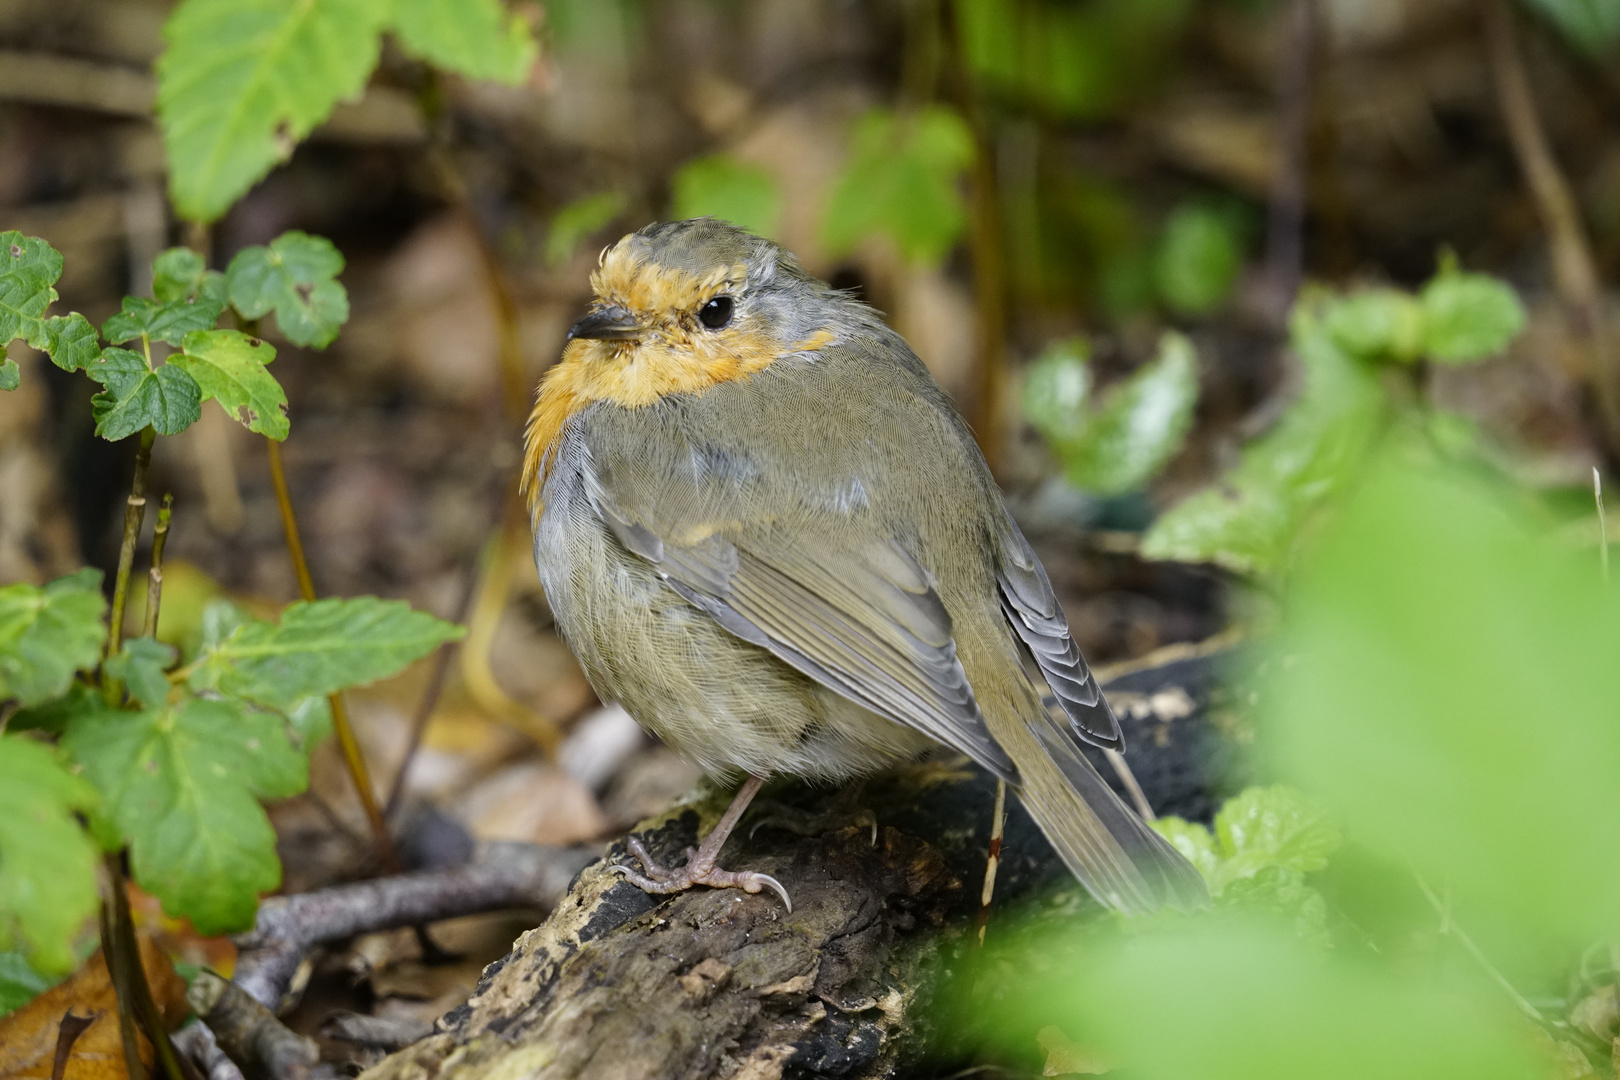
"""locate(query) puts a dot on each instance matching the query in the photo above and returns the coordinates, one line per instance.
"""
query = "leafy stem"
(134, 515)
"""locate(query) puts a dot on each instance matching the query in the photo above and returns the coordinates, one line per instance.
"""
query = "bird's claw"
(661, 880)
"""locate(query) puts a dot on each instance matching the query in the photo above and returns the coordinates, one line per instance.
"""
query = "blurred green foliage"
(1116, 444)
(578, 220)
(721, 186)
(1593, 26)
(1197, 259)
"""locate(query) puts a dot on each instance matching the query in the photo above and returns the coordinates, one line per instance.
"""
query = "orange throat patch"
(635, 374)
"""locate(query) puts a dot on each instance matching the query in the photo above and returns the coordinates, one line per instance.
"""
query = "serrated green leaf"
(47, 863)
(903, 180)
(579, 219)
(1057, 390)
(140, 665)
(1281, 896)
(476, 38)
(1468, 317)
(19, 982)
(168, 399)
(296, 277)
(29, 267)
(311, 721)
(320, 648)
(1138, 426)
(54, 715)
(1377, 323)
(182, 784)
(1272, 826)
(229, 368)
(1197, 261)
(1252, 518)
(10, 374)
(71, 341)
(47, 634)
(221, 619)
(719, 185)
(161, 322)
(182, 274)
(243, 81)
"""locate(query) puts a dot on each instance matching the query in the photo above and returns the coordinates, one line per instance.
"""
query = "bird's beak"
(611, 323)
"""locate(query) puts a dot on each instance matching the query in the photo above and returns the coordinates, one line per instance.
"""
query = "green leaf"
(1279, 894)
(1198, 260)
(182, 274)
(903, 180)
(1445, 684)
(721, 186)
(228, 366)
(182, 784)
(47, 634)
(1376, 323)
(1593, 26)
(168, 399)
(320, 648)
(1138, 426)
(19, 982)
(1193, 841)
(1057, 390)
(1467, 317)
(169, 322)
(71, 341)
(54, 715)
(1272, 826)
(243, 81)
(296, 276)
(28, 268)
(140, 665)
(10, 374)
(47, 863)
(476, 38)
(1252, 518)
(578, 220)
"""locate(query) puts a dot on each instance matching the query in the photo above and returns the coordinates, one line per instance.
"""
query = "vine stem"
(134, 516)
(352, 755)
(154, 576)
(123, 955)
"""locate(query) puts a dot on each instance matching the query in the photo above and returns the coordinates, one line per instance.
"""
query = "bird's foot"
(699, 870)
(843, 812)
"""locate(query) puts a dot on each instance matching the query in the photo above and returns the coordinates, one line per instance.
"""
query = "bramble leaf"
(1468, 317)
(162, 322)
(476, 38)
(1195, 842)
(1118, 445)
(182, 784)
(1273, 826)
(47, 863)
(182, 274)
(1376, 323)
(319, 648)
(718, 185)
(47, 634)
(903, 180)
(29, 267)
(140, 665)
(228, 366)
(574, 222)
(168, 399)
(243, 81)
(10, 374)
(1251, 519)
(71, 341)
(296, 277)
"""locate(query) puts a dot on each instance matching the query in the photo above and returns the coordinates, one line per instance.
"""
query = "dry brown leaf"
(28, 1036)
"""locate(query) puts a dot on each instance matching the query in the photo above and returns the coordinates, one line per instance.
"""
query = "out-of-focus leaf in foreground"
(1445, 682)
(48, 633)
(480, 39)
(47, 863)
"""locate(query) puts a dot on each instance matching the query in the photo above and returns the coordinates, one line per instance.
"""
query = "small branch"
(128, 956)
(134, 515)
(68, 1030)
(1449, 926)
(154, 576)
(1122, 769)
(353, 757)
(121, 977)
(1285, 227)
(248, 1033)
(502, 875)
(992, 862)
(1603, 525)
(1574, 270)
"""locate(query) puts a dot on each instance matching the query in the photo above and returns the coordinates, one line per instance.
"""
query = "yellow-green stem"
(134, 515)
(154, 576)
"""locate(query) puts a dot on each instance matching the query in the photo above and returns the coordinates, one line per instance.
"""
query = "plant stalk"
(129, 958)
(353, 757)
(154, 576)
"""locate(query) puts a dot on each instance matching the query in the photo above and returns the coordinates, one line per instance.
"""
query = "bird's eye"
(716, 313)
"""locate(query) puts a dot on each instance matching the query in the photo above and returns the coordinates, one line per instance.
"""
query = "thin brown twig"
(1285, 227)
(68, 1030)
(992, 862)
(119, 972)
(154, 576)
(353, 756)
(1574, 269)
(1122, 769)
(145, 1007)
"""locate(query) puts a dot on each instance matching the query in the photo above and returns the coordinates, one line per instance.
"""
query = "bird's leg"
(700, 868)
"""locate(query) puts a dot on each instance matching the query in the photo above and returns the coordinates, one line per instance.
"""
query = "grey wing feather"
(876, 632)
(1032, 608)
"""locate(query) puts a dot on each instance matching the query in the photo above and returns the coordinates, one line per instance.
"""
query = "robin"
(765, 531)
